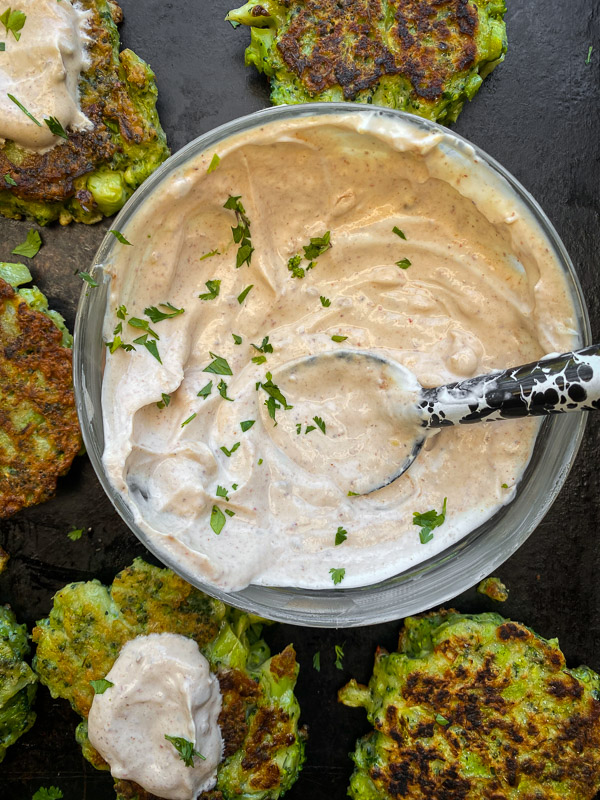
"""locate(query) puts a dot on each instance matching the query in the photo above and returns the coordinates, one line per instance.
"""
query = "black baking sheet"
(538, 115)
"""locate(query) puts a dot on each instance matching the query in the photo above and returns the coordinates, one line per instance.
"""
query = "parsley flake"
(265, 347)
(13, 21)
(317, 661)
(441, 720)
(320, 424)
(217, 520)
(236, 339)
(294, 266)
(341, 535)
(352, 494)
(241, 232)
(310, 428)
(214, 287)
(215, 161)
(55, 127)
(337, 575)
(30, 247)
(243, 295)
(166, 399)
(504, 486)
(120, 238)
(588, 60)
(75, 535)
(229, 512)
(206, 390)
(318, 245)
(259, 360)
(404, 263)
(339, 655)
(117, 344)
(247, 424)
(428, 521)
(209, 255)
(276, 398)
(23, 109)
(185, 749)
(85, 276)
(8, 179)
(398, 232)
(101, 685)
(222, 492)
(222, 389)
(325, 302)
(188, 420)
(2, 47)
(156, 315)
(338, 338)
(229, 452)
(218, 366)
(149, 344)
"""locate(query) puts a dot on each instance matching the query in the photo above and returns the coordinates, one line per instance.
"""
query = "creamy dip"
(41, 70)
(162, 685)
(483, 290)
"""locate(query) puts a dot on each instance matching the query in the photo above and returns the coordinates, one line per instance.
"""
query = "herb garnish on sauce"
(428, 521)
(185, 749)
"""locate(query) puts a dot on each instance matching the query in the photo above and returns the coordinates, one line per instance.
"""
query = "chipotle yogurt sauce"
(483, 291)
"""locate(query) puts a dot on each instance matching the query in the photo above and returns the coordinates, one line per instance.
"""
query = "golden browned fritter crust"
(39, 430)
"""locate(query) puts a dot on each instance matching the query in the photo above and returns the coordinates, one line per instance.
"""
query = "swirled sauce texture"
(483, 291)
(161, 685)
(41, 70)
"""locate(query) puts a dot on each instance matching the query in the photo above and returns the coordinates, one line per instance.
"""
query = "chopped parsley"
(339, 655)
(143, 325)
(188, 420)
(217, 520)
(229, 512)
(117, 343)
(398, 232)
(206, 390)
(309, 428)
(241, 232)
(150, 345)
(259, 359)
(317, 661)
(236, 339)
(338, 338)
(222, 492)
(210, 255)
(214, 287)
(166, 399)
(8, 178)
(185, 749)
(243, 295)
(55, 127)
(13, 21)
(404, 263)
(504, 486)
(353, 494)
(101, 685)
(50, 793)
(337, 575)
(428, 521)
(325, 302)
(265, 347)
(247, 424)
(229, 452)
(75, 535)
(23, 109)
(30, 247)
(156, 315)
(215, 161)
(588, 60)
(318, 245)
(222, 389)
(2, 49)
(218, 366)
(320, 424)
(276, 398)
(341, 535)
(441, 720)
(294, 266)
(120, 238)
(85, 276)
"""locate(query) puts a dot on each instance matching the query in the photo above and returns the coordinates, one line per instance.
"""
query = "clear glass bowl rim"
(430, 583)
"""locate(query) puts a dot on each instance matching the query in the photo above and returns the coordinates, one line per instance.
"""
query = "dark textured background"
(538, 115)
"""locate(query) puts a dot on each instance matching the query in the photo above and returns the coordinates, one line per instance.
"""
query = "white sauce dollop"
(162, 685)
(41, 70)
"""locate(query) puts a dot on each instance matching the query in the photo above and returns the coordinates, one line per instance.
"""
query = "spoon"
(554, 385)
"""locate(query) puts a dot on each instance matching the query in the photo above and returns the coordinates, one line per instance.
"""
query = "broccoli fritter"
(89, 623)
(18, 682)
(476, 707)
(39, 430)
(95, 171)
(426, 57)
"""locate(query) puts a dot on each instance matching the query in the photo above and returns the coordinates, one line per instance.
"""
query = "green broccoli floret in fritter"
(89, 623)
(413, 55)
(94, 172)
(18, 682)
(473, 708)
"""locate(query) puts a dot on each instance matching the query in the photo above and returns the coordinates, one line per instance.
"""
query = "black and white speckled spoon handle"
(554, 385)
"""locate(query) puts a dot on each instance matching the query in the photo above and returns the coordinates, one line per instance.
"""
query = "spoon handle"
(554, 385)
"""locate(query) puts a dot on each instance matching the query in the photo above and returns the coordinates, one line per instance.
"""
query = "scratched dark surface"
(538, 115)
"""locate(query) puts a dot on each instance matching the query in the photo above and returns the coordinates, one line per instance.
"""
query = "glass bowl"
(432, 582)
